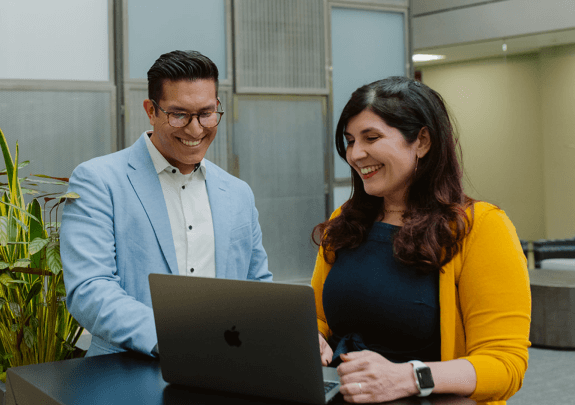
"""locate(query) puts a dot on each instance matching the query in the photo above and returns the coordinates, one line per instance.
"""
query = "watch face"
(425, 378)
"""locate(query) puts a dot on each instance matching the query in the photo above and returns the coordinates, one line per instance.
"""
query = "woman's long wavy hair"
(435, 221)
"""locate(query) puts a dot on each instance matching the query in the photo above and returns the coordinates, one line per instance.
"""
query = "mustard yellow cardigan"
(485, 304)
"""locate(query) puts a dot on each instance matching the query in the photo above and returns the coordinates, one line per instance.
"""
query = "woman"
(410, 268)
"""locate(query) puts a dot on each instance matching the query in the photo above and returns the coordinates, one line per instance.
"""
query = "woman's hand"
(325, 351)
(369, 377)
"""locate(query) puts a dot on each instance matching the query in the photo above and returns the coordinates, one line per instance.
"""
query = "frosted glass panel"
(54, 40)
(282, 159)
(56, 130)
(366, 46)
(341, 195)
(156, 27)
(280, 46)
(218, 150)
(137, 120)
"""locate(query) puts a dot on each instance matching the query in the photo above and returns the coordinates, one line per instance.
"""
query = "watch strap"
(423, 378)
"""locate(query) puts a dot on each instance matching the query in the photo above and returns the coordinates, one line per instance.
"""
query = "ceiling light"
(420, 57)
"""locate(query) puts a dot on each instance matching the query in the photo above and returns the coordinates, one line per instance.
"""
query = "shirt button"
(183, 187)
(190, 227)
(173, 170)
(192, 270)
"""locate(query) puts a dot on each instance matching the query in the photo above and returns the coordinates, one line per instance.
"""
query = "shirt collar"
(160, 162)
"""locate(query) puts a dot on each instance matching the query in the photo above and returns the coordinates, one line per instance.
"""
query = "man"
(157, 207)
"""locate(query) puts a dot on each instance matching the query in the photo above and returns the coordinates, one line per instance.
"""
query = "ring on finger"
(359, 385)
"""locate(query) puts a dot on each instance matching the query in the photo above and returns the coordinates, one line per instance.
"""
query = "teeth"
(190, 143)
(369, 169)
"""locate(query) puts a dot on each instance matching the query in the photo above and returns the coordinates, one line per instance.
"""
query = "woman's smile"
(369, 171)
(370, 143)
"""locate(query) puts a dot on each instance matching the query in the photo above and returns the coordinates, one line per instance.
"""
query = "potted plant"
(35, 325)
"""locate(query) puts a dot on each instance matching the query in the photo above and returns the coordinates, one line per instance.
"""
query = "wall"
(487, 20)
(496, 105)
(557, 85)
(517, 124)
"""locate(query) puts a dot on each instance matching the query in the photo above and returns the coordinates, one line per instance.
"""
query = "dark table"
(129, 378)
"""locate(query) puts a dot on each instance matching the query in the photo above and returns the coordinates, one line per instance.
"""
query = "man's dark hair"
(179, 65)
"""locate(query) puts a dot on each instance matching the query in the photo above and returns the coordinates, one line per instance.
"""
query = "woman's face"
(381, 156)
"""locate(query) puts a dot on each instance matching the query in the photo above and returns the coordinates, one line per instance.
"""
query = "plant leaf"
(15, 308)
(53, 257)
(21, 263)
(22, 224)
(36, 245)
(14, 327)
(29, 337)
(61, 288)
(71, 195)
(3, 265)
(36, 231)
(8, 281)
(12, 229)
(22, 210)
(52, 225)
(29, 191)
(35, 210)
(7, 156)
(34, 290)
(34, 322)
(3, 231)
(35, 182)
(64, 179)
(21, 165)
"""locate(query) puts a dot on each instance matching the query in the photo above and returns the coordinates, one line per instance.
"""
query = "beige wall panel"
(495, 104)
(490, 20)
(558, 125)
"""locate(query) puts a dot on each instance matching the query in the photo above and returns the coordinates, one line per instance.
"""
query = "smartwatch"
(423, 378)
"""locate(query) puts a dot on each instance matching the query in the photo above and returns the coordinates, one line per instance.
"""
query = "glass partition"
(54, 40)
(156, 27)
(279, 146)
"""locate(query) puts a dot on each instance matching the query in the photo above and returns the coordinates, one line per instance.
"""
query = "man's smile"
(190, 143)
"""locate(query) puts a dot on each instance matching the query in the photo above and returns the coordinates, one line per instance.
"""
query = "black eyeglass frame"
(191, 116)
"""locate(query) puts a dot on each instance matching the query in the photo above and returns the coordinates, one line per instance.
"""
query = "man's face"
(183, 147)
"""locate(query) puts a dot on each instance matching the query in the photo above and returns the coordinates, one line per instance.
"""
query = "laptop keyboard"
(328, 386)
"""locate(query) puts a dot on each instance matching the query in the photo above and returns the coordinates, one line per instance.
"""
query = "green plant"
(35, 325)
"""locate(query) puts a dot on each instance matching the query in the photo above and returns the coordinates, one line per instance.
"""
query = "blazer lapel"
(142, 174)
(220, 206)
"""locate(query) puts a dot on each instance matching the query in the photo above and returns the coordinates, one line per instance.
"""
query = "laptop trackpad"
(330, 374)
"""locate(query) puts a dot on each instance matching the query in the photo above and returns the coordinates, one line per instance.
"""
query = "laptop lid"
(240, 336)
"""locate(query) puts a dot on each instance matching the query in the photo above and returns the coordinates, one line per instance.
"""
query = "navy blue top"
(391, 308)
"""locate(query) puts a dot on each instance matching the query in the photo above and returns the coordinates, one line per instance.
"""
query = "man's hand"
(369, 377)
(325, 351)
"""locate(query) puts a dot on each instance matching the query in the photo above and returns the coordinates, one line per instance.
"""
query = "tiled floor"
(550, 379)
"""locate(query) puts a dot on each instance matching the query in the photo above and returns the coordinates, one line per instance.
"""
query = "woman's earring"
(416, 163)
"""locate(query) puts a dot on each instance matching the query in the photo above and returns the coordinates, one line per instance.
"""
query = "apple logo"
(233, 337)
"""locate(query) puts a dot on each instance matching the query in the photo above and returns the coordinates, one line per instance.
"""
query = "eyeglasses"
(208, 119)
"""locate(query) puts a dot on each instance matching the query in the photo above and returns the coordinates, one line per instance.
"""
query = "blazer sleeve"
(495, 300)
(95, 296)
(258, 269)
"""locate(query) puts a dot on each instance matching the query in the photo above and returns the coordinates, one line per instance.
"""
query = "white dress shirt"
(190, 215)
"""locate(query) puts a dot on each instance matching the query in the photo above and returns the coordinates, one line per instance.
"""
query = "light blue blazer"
(119, 231)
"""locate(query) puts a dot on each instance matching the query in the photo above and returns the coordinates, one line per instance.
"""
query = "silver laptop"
(244, 337)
